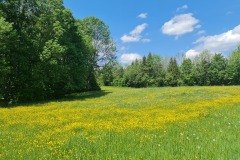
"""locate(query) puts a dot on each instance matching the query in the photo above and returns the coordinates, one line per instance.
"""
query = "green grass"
(124, 123)
(215, 136)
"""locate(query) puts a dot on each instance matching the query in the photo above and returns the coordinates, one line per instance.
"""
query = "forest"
(45, 53)
(205, 69)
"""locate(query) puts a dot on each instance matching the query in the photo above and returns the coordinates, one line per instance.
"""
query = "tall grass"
(124, 123)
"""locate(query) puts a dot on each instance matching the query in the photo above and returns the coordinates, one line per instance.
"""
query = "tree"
(233, 68)
(203, 56)
(18, 56)
(118, 73)
(202, 61)
(187, 72)
(133, 75)
(100, 35)
(46, 58)
(103, 51)
(217, 70)
(149, 70)
(106, 74)
(173, 73)
(155, 70)
(7, 36)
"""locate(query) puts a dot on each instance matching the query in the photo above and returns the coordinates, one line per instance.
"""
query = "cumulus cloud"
(128, 58)
(180, 25)
(221, 43)
(134, 35)
(182, 8)
(142, 15)
(191, 53)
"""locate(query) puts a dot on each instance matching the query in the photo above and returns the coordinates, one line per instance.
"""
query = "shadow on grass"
(71, 97)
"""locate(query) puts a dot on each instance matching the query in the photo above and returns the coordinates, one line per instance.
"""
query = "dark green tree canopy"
(43, 56)
(233, 68)
(187, 72)
(204, 69)
(217, 70)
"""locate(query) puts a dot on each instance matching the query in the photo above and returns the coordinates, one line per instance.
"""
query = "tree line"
(205, 69)
(45, 53)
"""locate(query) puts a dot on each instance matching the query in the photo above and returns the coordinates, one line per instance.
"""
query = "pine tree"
(173, 73)
(187, 72)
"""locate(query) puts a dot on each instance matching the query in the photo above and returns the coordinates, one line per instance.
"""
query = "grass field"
(124, 123)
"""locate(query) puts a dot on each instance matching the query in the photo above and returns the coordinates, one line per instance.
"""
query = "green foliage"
(102, 49)
(233, 68)
(133, 75)
(173, 73)
(7, 36)
(144, 73)
(42, 54)
(217, 70)
(111, 75)
(203, 62)
(202, 70)
(187, 72)
(154, 70)
(107, 75)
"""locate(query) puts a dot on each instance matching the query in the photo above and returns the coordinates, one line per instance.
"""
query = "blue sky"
(166, 28)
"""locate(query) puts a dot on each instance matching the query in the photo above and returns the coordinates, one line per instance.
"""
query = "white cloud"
(134, 35)
(128, 39)
(142, 15)
(139, 29)
(201, 32)
(182, 8)
(180, 25)
(128, 58)
(221, 43)
(146, 40)
(191, 53)
(198, 26)
(123, 48)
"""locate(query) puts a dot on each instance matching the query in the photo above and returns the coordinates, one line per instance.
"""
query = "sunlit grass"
(125, 123)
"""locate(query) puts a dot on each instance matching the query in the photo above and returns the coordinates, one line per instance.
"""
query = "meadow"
(125, 123)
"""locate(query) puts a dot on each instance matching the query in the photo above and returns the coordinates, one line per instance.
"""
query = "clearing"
(126, 123)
